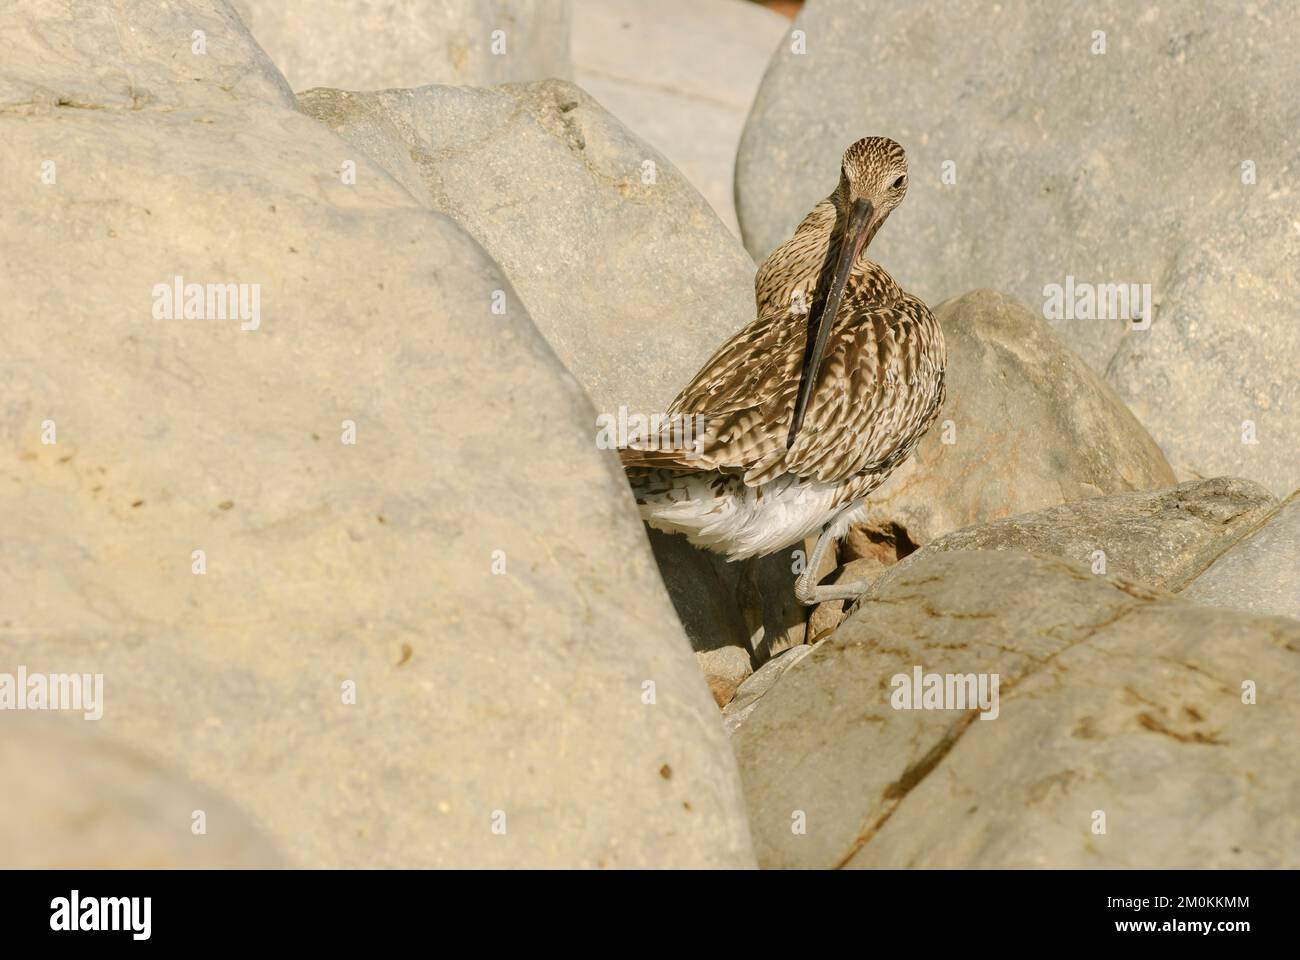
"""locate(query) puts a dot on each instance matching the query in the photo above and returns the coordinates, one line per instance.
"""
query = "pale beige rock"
(633, 283)
(505, 672)
(1261, 573)
(682, 75)
(1030, 427)
(614, 270)
(724, 669)
(177, 54)
(378, 44)
(74, 800)
(1163, 538)
(1112, 697)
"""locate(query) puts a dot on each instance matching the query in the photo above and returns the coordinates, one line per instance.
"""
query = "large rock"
(1028, 425)
(376, 44)
(75, 801)
(1119, 709)
(1261, 573)
(444, 644)
(682, 75)
(1161, 539)
(624, 268)
(1122, 167)
(631, 278)
(49, 45)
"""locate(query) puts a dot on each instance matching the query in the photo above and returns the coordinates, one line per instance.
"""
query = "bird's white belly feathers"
(724, 515)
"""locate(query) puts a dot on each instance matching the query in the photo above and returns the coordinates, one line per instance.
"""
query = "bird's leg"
(750, 600)
(807, 591)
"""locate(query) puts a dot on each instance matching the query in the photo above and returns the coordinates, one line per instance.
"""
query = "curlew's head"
(873, 181)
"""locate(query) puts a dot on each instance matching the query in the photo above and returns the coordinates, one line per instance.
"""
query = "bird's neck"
(797, 271)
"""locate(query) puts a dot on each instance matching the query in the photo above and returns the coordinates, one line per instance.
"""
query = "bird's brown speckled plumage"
(878, 387)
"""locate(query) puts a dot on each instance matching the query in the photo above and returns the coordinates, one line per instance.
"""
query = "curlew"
(810, 407)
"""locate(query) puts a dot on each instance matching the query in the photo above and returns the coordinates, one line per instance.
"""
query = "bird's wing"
(881, 387)
(881, 382)
(748, 368)
(734, 392)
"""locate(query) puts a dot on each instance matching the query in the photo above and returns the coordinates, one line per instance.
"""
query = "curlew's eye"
(898, 184)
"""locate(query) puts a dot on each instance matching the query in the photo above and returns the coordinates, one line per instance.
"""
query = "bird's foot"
(810, 594)
(806, 589)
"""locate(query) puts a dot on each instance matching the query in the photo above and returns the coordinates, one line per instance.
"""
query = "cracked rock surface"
(1162, 538)
(1113, 698)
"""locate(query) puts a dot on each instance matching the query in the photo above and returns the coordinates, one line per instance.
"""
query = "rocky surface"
(1261, 573)
(1029, 425)
(1122, 735)
(1162, 539)
(75, 801)
(290, 545)
(378, 44)
(725, 669)
(682, 75)
(1169, 159)
(762, 680)
(48, 44)
(614, 269)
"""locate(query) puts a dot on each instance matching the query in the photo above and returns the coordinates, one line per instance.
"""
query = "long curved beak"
(853, 237)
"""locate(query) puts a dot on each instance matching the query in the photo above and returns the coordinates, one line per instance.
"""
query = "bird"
(805, 411)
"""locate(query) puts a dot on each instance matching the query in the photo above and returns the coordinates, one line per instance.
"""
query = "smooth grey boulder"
(626, 271)
(682, 76)
(1163, 538)
(1130, 729)
(1026, 425)
(1167, 160)
(377, 44)
(1260, 573)
(357, 565)
(74, 800)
